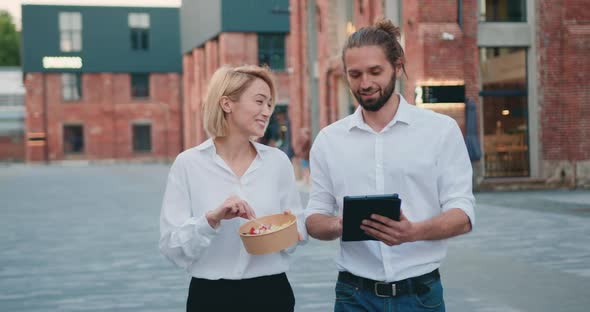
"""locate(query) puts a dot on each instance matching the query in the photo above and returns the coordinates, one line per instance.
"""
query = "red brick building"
(12, 115)
(200, 63)
(562, 42)
(521, 62)
(233, 33)
(98, 90)
(107, 119)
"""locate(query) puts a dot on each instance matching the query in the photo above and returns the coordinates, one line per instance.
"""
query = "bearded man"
(389, 146)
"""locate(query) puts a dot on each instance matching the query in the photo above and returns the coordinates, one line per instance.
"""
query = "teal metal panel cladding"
(106, 43)
(200, 20)
(255, 16)
(203, 20)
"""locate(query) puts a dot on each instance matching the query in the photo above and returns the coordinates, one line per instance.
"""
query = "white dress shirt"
(420, 155)
(200, 181)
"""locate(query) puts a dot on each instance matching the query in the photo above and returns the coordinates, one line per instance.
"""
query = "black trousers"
(265, 293)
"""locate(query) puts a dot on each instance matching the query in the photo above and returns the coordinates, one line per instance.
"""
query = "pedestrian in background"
(213, 188)
(304, 145)
(389, 146)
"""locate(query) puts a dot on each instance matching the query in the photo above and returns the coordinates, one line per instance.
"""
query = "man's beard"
(377, 104)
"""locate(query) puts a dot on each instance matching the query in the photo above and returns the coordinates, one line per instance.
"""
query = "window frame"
(135, 145)
(483, 8)
(71, 85)
(509, 92)
(271, 49)
(133, 78)
(70, 25)
(83, 147)
(139, 31)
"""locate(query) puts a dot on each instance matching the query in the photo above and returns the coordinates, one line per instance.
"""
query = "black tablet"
(358, 208)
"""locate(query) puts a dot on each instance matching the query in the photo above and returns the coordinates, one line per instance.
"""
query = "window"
(505, 114)
(139, 26)
(442, 94)
(142, 138)
(73, 139)
(278, 133)
(71, 86)
(70, 30)
(502, 10)
(271, 50)
(140, 85)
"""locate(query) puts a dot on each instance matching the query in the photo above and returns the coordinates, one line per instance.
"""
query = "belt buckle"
(393, 290)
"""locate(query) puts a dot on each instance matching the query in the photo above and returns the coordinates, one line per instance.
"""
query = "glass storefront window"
(505, 114)
(278, 132)
(502, 10)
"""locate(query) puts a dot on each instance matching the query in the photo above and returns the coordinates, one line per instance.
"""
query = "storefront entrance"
(505, 113)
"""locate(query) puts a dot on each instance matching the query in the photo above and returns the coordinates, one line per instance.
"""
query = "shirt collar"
(403, 115)
(209, 146)
(206, 145)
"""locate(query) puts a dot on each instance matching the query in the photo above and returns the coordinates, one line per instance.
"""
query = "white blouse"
(200, 181)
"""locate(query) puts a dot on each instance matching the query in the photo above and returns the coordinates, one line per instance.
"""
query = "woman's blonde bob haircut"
(231, 82)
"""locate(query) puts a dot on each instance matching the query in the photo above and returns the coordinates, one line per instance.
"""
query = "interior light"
(350, 28)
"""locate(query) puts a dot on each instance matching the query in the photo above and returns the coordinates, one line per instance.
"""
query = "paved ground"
(84, 238)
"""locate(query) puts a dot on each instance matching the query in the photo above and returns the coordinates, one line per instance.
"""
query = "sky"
(13, 6)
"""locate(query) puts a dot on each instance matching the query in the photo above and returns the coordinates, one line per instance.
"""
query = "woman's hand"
(231, 208)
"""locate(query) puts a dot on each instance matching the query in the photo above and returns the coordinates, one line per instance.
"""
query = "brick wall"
(329, 67)
(563, 43)
(107, 112)
(198, 66)
(12, 148)
(299, 107)
(35, 116)
(429, 59)
(432, 60)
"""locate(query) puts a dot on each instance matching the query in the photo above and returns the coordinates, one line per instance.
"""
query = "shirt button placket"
(379, 164)
(239, 188)
(241, 264)
(242, 183)
(239, 270)
(386, 256)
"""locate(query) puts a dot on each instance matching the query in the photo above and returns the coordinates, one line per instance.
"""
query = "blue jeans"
(351, 298)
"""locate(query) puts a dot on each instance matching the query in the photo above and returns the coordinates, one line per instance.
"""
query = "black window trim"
(150, 141)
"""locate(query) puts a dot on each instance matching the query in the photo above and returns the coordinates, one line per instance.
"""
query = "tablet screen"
(358, 208)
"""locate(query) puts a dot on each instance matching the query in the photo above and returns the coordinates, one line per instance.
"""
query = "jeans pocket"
(345, 291)
(433, 298)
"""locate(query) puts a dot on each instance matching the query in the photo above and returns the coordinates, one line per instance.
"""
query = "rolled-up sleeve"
(321, 197)
(183, 238)
(455, 173)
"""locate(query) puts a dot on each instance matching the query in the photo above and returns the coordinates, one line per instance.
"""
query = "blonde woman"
(213, 188)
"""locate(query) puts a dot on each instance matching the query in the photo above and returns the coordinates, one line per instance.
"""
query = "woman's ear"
(225, 103)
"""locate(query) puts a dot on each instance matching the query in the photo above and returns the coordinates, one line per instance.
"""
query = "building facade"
(234, 32)
(12, 115)
(520, 63)
(101, 82)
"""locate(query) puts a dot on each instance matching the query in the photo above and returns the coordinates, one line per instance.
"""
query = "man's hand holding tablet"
(359, 208)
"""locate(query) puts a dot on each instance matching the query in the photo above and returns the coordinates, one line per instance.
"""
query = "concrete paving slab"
(84, 238)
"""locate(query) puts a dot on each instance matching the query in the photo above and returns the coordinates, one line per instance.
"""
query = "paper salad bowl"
(270, 241)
